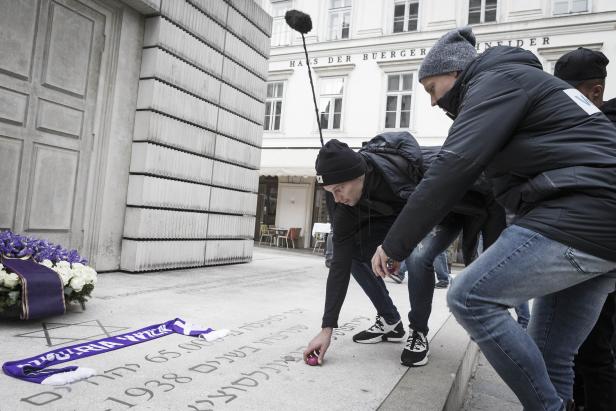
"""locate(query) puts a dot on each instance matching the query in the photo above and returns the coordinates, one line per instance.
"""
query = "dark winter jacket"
(609, 109)
(550, 154)
(389, 181)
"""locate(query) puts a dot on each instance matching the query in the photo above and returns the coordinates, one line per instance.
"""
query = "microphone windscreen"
(298, 21)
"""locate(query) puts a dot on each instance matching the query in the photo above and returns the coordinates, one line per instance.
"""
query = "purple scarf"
(34, 369)
(42, 293)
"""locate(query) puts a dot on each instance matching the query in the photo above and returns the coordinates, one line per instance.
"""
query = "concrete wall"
(197, 136)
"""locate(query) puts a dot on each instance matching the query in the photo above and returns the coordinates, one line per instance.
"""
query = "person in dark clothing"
(551, 157)
(370, 189)
(594, 386)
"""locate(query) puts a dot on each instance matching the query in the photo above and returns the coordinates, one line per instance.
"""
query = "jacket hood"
(609, 109)
(492, 57)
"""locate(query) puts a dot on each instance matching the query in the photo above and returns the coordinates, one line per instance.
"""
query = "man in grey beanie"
(550, 155)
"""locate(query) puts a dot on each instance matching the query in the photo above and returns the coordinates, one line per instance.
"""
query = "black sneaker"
(441, 284)
(381, 331)
(416, 352)
(397, 277)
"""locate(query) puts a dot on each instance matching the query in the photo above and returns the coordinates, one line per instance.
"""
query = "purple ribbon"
(42, 292)
(35, 369)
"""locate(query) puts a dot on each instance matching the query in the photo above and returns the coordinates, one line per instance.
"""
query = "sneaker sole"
(418, 363)
(380, 338)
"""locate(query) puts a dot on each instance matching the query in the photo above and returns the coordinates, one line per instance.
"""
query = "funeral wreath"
(78, 279)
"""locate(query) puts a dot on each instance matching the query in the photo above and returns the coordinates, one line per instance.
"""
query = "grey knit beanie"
(452, 52)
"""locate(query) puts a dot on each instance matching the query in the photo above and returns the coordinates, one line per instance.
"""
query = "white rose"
(78, 266)
(3, 275)
(90, 274)
(47, 263)
(64, 273)
(63, 264)
(11, 280)
(77, 283)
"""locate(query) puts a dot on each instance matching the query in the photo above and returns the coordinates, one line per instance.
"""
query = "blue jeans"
(569, 288)
(522, 311)
(375, 289)
(441, 268)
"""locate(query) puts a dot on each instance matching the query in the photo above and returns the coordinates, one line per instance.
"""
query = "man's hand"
(379, 263)
(319, 344)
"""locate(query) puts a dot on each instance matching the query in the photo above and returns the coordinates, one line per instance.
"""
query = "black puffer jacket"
(609, 109)
(550, 154)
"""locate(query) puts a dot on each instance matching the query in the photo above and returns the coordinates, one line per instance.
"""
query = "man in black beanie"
(594, 386)
(370, 189)
(551, 157)
(365, 209)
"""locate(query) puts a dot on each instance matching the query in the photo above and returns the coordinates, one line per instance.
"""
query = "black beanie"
(337, 163)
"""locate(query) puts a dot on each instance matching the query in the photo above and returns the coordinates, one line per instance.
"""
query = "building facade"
(365, 55)
(131, 130)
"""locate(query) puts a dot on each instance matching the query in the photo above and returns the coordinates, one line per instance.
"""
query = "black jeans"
(375, 289)
(420, 266)
(595, 365)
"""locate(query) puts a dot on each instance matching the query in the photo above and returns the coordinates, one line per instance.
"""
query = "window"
(406, 14)
(273, 106)
(281, 33)
(330, 102)
(570, 6)
(339, 19)
(398, 100)
(481, 11)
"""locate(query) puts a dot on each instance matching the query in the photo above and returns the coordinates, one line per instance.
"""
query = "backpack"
(398, 158)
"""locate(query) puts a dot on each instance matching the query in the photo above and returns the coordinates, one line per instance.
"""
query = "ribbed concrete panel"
(230, 226)
(162, 161)
(239, 128)
(249, 33)
(243, 79)
(159, 255)
(197, 138)
(244, 54)
(237, 152)
(147, 223)
(228, 251)
(157, 96)
(165, 130)
(146, 191)
(163, 33)
(242, 104)
(232, 176)
(235, 202)
(162, 65)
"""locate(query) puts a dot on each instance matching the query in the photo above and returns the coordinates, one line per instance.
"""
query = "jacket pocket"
(588, 264)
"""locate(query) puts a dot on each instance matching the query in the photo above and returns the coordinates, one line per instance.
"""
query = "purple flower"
(15, 245)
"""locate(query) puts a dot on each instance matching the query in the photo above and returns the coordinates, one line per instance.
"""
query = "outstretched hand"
(319, 345)
(382, 265)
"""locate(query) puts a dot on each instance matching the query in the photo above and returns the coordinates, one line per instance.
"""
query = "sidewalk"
(273, 307)
(488, 392)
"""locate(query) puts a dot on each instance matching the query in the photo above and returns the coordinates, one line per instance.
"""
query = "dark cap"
(580, 65)
(337, 163)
